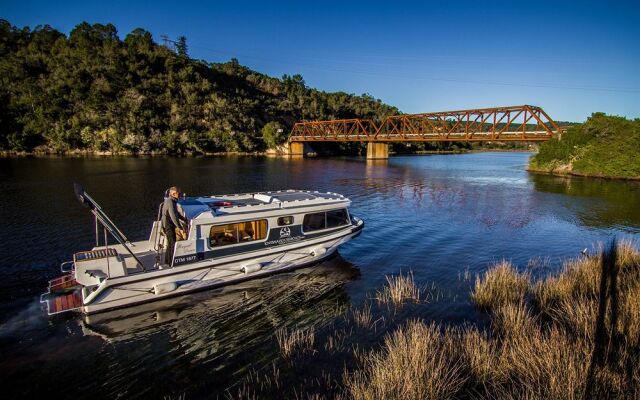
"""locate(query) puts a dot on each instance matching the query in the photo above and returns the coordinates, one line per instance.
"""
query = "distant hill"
(604, 146)
(93, 91)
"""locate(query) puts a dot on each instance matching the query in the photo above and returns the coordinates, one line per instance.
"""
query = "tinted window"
(285, 220)
(222, 235)
(337, 218)
(313, 222)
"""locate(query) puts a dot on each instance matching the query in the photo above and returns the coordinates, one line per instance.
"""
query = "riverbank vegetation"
(95, 92)
(570, 335)
(91, 92)
(603, 146)
(399, 289)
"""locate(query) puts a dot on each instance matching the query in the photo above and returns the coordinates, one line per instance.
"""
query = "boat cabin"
(224, 225)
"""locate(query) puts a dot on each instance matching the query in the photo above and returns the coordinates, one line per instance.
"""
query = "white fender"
(318, 251)
(247, 269)
(162, 288)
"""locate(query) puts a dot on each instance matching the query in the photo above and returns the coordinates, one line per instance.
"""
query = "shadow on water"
(596, 202)
(164, 347)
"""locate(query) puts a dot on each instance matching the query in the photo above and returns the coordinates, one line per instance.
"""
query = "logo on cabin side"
(285, 232)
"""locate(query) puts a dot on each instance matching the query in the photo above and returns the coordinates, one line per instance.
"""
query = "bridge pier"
(296, 149)
(377, 151)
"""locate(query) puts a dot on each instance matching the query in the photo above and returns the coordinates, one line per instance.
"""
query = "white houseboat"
(230, 238)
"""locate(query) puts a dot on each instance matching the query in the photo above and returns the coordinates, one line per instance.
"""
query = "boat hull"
(162, 284)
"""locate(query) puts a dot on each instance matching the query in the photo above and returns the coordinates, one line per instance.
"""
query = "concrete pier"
(296, 149)
(377, 151)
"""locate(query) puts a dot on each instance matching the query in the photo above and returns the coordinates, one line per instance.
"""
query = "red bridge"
(515, 123)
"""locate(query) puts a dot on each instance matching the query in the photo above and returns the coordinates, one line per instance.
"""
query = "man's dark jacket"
(170, 216)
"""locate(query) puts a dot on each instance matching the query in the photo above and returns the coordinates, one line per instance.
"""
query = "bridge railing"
(521, 123)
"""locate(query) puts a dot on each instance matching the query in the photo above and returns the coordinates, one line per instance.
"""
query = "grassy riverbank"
(603, 146)
(571, 335)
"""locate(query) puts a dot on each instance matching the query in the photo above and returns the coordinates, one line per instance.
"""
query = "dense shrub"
(602, 146)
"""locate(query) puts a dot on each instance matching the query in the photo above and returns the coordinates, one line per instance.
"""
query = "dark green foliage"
(93, 91)
(604, 145)
(181, 46)
(273, 134)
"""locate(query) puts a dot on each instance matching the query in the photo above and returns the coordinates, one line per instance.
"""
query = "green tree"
(273, 134)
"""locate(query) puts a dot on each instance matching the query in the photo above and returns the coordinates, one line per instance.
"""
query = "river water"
(445, 218)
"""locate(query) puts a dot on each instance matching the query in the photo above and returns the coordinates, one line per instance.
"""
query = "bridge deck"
(514, 123)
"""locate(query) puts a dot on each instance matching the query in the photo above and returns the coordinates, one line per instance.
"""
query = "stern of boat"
(87, 271)
(64, 294)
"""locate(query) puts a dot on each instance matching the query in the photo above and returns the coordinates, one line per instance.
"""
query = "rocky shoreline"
(566, 171)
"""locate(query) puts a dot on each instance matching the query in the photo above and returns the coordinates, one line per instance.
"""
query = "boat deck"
(64, 294)
(65, 302)
(142, 250)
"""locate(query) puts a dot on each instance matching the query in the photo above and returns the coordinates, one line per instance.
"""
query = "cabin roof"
(218, 205)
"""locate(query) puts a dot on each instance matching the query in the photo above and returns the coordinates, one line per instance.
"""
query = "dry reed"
(513, 320)
(336, 341)
(541, 343)
(500, 285)
(544, 364)
(417, 362)
(399, 289)
(256, 383)
(578, 278)
(363, 317)
(298, 340)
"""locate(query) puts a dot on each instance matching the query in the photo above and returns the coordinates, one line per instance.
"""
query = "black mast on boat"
(102, 218)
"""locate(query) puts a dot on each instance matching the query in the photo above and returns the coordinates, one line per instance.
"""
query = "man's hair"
(174, 189)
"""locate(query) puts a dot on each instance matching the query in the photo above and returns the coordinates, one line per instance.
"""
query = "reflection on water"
(444, 217)
(598, 202)
(180, 341)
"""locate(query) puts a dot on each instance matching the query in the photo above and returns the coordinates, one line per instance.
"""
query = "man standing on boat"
(172, 220)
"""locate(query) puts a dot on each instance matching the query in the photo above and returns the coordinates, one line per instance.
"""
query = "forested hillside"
(92, 91)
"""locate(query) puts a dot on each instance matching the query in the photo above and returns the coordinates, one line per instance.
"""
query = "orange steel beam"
(513, 123)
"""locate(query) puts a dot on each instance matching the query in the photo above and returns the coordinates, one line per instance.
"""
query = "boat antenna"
(86, 200)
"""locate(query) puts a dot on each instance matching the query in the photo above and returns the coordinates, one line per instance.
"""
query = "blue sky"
(571, 58)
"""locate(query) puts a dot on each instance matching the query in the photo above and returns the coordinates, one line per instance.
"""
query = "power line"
(428, 78)
(168, 43)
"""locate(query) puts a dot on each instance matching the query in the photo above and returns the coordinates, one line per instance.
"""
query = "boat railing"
(102, 218)
(66, 267)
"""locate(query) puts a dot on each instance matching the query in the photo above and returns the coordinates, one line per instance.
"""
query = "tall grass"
(579, 278)
(572, 335)
(363, 317)
(399, 289)
(500, 285)
(297, 340)
(575, 335)
(417, 362)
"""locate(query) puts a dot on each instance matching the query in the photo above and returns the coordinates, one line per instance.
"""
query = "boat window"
(285, 220)
(337, 218)
(313, 222)
(222, 235)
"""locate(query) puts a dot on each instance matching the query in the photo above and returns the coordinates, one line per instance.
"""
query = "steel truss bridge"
(514, 123)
